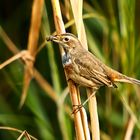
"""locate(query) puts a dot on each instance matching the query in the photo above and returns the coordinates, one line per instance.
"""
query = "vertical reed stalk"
(72, 88)
(77, 7)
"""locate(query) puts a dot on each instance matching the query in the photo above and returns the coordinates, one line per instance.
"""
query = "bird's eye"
(66, 39)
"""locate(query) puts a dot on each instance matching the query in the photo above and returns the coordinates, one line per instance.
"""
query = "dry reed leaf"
(77, 7)
(32, 45)
(60, 28)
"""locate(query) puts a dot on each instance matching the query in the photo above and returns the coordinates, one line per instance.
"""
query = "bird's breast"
(70, 67)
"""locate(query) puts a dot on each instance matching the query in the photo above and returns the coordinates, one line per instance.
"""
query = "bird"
(84, 68)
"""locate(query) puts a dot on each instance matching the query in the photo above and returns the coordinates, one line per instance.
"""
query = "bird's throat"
(66, 59)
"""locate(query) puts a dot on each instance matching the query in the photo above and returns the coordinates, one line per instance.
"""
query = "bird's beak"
(54, 38)
(57, 39)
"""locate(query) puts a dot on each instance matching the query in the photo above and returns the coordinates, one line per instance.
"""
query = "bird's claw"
(76, 108)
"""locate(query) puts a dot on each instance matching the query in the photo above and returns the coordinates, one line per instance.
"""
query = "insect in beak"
(53, 38)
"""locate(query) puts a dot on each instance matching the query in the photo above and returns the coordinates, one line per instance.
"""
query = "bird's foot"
(76, 108)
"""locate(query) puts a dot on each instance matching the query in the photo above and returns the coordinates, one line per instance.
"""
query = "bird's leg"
(78, 107)
(91, 95)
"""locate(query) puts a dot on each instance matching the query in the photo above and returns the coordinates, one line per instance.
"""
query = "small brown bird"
(84, 68)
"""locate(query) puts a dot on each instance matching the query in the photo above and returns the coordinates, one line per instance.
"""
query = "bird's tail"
(126, 79)
(116, 76)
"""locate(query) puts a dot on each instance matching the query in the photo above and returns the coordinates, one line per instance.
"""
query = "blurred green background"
(113, 32)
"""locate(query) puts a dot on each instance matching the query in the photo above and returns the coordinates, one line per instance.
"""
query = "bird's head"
(67, 40)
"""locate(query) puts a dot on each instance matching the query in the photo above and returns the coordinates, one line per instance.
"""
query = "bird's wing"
(92, 68)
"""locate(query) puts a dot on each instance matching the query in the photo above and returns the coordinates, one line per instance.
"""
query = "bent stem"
(32, 45)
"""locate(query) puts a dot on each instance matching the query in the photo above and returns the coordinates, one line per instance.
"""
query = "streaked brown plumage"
(84, 68)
